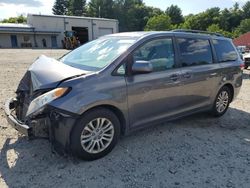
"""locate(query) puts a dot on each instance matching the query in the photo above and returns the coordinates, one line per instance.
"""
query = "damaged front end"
(49, 122)
(16, 110)
(30, 112)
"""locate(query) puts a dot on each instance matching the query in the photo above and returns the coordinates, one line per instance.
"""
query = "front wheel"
(222, 101)
(95, 134)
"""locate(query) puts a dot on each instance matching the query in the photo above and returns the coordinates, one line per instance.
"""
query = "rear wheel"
(246, 66)
(222, 101)
(95, 135)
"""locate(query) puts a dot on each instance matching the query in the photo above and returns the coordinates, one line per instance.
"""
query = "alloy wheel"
(97, 135)
(222, 101)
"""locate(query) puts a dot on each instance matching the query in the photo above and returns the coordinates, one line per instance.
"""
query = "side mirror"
(142, 67)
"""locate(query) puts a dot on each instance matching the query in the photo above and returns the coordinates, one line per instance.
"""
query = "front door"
(14, 41)
(53, 42)
(154, 95)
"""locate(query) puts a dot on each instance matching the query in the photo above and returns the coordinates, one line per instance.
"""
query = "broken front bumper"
(56, 125)
(12, 119)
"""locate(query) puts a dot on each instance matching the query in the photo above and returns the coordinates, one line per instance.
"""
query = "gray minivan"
(119, 83)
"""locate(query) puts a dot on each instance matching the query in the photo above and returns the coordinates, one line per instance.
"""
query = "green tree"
(225, 17)
(132, 14)
(159, 23)
(137, 17)
(175, 13)
(60, 7)
(193, 22)
(19, 19)
(246, 9)
(77, 7)
(215, 28)
(202, 20)
(149, 12)
(244, 26)
(212, 15)
(235, 33)
(152, 11)
(101, 8)
(236, 15)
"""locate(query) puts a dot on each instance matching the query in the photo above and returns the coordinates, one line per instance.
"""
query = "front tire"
(222, 101)
(95, 134)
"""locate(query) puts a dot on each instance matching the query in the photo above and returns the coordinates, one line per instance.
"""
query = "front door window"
(159, 52)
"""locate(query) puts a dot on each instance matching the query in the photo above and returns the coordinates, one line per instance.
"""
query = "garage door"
(105, 31)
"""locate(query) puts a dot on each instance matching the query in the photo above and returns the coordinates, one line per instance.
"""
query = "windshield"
(95, 55)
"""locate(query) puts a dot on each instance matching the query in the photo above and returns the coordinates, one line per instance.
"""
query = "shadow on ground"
(197, 151)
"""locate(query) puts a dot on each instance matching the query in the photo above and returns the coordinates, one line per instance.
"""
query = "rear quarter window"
(225, 51)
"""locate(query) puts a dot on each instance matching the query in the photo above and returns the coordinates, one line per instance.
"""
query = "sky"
(12, 8)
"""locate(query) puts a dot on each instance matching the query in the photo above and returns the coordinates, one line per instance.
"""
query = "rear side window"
(194, 51)
(225, 50)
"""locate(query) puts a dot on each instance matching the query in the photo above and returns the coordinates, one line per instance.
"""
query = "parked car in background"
(121, 83)
(241, 49)
(246, 59)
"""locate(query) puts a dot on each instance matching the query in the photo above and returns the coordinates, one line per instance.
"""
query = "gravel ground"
(197, 151)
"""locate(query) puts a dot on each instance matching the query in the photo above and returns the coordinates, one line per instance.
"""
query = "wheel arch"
(115, 110)
(231, 88)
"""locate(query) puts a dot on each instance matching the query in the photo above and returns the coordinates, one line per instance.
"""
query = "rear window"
(225, 50)
(195, 51)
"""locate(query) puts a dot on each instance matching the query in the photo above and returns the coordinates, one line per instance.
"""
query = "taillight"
(242, 66)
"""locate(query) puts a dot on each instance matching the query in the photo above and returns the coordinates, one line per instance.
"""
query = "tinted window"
(159, 52)
(225, 50)
(194, 51)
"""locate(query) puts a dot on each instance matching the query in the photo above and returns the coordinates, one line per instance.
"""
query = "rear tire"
(222, 101)
(95, 134)
(246, 67)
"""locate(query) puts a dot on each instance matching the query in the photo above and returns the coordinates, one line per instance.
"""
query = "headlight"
(39, 102)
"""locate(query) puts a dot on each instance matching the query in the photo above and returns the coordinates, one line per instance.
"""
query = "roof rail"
(197, 31)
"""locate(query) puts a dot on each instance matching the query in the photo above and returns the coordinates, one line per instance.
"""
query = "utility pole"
(99, 9)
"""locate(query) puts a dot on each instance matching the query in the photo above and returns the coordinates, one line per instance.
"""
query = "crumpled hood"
(47, 73)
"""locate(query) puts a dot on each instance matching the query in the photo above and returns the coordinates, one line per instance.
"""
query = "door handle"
(186, 75)
(174, 77)
(213, 74)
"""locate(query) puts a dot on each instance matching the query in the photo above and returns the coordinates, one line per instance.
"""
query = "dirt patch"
(197, 151)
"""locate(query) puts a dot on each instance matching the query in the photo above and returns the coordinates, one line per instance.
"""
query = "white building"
(47, 31)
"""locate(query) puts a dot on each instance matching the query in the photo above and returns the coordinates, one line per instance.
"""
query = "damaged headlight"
(39, 102)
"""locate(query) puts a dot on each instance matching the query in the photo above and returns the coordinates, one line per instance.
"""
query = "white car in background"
(246, 58)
